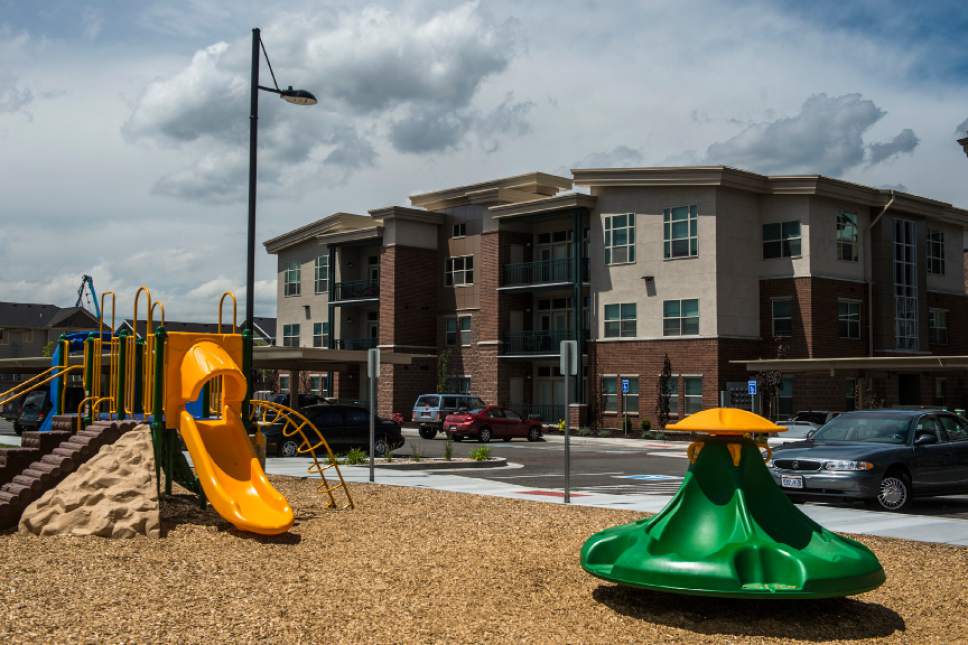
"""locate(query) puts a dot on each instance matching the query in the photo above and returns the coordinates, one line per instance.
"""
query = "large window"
(785, 397)
(692, 386)
(322, 274)
(936, 252)
(459, 271)
(848, 318)
(672, 396)
(781, 239)
(458, 384)
(905, 285)
(938, 326)
(620, 320)
(291, 279)
(290, 335)
(847, 236)
(610, 393)
(782, 313)
(460, 230)
(630, 399)
(680, 235)
(680, 317)
(457, 331)
(321, 334)
(620, 239)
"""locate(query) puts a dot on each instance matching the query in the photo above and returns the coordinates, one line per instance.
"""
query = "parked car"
(884, 457)
(33, 411)
(796, 431)
(302, 400)
(430, 410)
(489, 422)
(344, 426)
(819, 417)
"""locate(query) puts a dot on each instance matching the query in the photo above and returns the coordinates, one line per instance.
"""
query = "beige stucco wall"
(784, 208)
(292, 309)
(823, 239)
(422, 235)
(674, 279)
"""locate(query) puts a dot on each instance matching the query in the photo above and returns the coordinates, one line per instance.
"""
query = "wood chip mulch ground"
(412, 565)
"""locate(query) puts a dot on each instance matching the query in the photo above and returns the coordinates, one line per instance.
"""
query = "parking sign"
(751, 387)
(625, 386)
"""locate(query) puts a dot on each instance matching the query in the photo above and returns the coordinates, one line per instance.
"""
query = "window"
(460, 230)
(458, 331)
(937, 326)
(610, 393)
(936, 252)
(4, 340)
(322, 274)
(680, 317)
(782, 310)
(321, 334)
(459, 271)
(291, 279)
(283, 382)
(956, 428)
(847, 236)
(317, 383)
(693, 393)
(785, 396)
(781, 240)
(620, 239)
(630, 400)
(905, 285)
(290, 335)
(620, 320)
(848, 318)
(680, 232)
(458, 384)
(672, 395)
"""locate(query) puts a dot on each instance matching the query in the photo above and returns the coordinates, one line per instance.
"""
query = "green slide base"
(731, 532)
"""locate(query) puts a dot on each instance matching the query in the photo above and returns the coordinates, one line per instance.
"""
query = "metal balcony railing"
(356, 343)
(547, 412)
(541, 272)
(356, 289)
(535, 342)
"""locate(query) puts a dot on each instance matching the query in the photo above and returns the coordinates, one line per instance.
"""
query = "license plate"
(453, 427)
(791, 481)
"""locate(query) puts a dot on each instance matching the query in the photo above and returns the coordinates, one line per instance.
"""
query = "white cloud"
(905, 142)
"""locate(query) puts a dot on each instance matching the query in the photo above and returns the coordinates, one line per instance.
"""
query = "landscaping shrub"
(356, 456)
(448, 448)
(481, 454)
(584, 432)
(604, 432)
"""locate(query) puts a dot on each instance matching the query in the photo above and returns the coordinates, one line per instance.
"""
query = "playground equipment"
(88, 281)
(195, 384)
(730, 531)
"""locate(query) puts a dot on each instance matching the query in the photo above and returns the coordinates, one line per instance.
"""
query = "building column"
(293, 388)
(577, 300)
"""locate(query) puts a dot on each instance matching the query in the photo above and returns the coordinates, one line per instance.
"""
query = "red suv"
(491, 422)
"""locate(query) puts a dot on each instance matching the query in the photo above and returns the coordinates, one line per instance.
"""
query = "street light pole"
(964, 144)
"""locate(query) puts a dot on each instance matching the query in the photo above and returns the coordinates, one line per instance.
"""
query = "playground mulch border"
(413, 565)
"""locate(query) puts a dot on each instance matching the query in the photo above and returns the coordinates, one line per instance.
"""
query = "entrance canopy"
(922, 363)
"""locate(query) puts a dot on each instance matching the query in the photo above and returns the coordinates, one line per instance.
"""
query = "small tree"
(443, 368)
(662, 410)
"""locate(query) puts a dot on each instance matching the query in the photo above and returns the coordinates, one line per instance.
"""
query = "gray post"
(568, 368)
(373, 373)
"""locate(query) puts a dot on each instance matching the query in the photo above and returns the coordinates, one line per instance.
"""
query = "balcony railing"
(541, 272)
(535, 342)
(356, 343)
(547, 412)
(356, 289)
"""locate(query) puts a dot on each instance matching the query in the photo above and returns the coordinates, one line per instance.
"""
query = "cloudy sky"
(123, 125)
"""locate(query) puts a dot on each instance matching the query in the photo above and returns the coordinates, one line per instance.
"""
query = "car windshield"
(872, 428)
(428, 400)
(473, 404)
(796, 430)
(34, 401)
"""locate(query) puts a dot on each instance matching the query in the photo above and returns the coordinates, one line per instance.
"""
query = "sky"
(124, 125)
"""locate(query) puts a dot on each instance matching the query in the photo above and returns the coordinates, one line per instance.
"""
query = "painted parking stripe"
(652, 478)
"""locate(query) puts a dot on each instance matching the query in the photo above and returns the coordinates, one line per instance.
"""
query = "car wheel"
(796, 499)
(380, 447)
(288, 448)
(18, 430)
(458, 438)
(533, 434)
(485, 436)
(427, 433)
(506, 438)
(895, 492)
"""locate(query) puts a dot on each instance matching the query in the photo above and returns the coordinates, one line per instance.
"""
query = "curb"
(493, 462)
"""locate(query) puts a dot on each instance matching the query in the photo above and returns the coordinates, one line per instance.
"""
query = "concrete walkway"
(922, 528)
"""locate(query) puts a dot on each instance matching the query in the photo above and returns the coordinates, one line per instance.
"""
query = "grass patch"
(356, 456)
(482, 453)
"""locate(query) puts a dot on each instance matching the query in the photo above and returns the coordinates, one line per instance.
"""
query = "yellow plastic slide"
(224, 460)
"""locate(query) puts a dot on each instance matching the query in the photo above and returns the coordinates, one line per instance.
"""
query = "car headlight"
(769, 463)
(841, 464)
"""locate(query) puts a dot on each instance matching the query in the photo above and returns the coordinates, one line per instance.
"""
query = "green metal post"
(139, 356)
(249, 376)
(158, 432)
(122, 356)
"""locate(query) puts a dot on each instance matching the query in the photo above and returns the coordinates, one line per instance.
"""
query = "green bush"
(646, 425)
(481, 454)
(415, 453)
(584, 432)
(448, 448)
(604, 432)
(356, 456)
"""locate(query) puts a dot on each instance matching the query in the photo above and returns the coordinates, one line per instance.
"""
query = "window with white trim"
(848, 318)
(620, 238)
(459, 271)
(460, 230)
(680, 232)
(847, 236)
(680, 317)
(458, 384)
(935, 252)
(610, 393)
(672, 395)
(290, 335)
(937, 326)
(781, 310)
(781, 240)
(291, 279)
(321, 334)
(457, 331)
(283, 382)
(692, 386)
(905, 285)
(322, 273)
(620, 320)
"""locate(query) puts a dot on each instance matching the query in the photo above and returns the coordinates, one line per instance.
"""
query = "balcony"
(535, 342)
(541, 272)
(356, 290)
(547, 412)
(356, 343)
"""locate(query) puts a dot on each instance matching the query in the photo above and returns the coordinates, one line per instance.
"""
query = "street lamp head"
(964, 144)
(297, 97)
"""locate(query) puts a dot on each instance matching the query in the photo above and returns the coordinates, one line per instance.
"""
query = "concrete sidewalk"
(921, 528)
(599, 442)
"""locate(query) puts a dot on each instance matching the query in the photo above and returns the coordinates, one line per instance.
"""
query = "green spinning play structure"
(730, 531)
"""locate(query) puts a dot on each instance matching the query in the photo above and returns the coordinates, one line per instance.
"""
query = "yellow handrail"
(99, 346)
(131, 353)
(290, 417)
(97, 400)
(235, 306)
(7, 397)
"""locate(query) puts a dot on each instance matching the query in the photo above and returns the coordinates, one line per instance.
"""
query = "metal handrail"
(353, 289)
(356, 343)
(542, 271)
(290, 417)
(235, 305)
(95, 406)
(8, 396)
(535, 342)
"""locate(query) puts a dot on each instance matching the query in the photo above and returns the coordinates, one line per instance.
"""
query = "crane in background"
(93, 305)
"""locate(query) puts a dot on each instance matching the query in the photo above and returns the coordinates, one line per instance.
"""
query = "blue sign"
(625, 386)
(751, 387)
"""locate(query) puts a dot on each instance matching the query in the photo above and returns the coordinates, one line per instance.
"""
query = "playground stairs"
(46, 458)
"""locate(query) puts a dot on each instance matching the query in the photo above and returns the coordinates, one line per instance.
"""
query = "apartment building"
(708, 266)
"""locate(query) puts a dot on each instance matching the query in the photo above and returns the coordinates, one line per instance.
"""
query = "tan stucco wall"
(291, 309)
(823, 239)
(422, 235)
